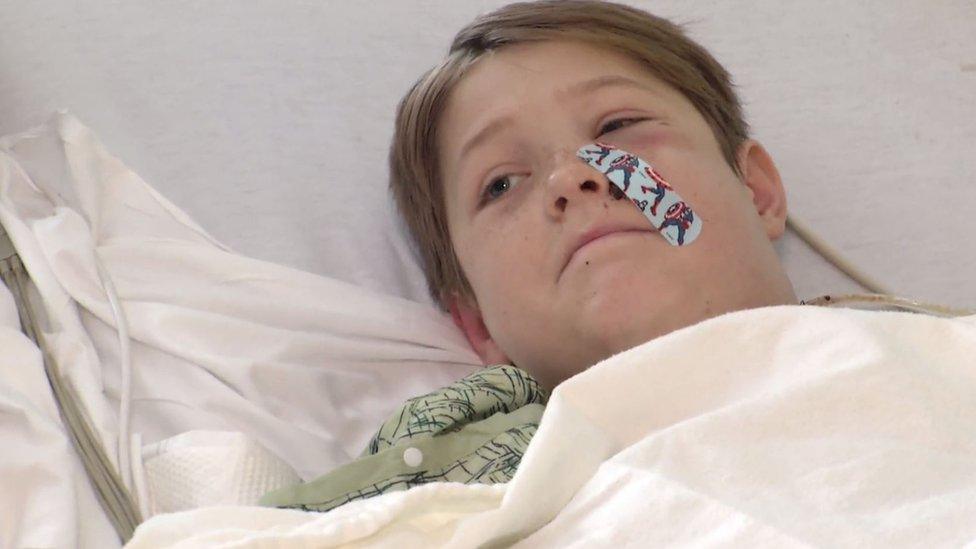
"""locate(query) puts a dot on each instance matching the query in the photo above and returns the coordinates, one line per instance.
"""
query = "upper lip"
(594, 233)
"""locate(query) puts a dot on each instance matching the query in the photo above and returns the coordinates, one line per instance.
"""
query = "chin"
(623, 319)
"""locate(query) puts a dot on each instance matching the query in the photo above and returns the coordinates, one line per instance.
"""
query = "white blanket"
(781, 426)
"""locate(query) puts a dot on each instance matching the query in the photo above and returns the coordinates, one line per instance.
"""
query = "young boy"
(530, 249)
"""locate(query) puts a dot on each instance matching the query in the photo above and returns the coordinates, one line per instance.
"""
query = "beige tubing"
(881, 294)
(834, 257)
(111, 493)
(889, 300)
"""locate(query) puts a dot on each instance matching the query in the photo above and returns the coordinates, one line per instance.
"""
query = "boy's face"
(546, 304)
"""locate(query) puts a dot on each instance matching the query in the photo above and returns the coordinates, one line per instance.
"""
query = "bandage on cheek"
(634, 178)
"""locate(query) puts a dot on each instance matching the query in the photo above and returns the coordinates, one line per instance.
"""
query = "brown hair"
(658, 43)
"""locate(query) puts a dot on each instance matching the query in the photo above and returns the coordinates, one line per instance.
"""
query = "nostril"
(588, 185)
(561, 203)
(615, 191)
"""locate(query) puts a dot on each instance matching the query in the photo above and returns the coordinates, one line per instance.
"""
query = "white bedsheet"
(304, 365)
(45, 498)
(776, 427)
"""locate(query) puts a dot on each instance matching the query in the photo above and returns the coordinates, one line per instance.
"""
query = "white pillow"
(305, 365)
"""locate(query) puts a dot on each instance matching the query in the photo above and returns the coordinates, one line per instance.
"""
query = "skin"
(555, 319)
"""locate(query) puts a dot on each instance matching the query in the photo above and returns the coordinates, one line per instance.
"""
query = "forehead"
(506, 77)
(526, 79)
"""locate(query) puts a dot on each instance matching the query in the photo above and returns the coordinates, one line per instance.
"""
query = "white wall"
(269, 121)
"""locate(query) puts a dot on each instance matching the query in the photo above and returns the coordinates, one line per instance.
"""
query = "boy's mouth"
(596, 233)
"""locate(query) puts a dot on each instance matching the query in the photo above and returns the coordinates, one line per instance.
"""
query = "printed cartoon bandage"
(661, 205)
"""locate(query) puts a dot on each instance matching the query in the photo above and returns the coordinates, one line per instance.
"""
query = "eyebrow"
(610, 80)
(580, 88)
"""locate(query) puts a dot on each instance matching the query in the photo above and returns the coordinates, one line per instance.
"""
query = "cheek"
(727, 235)
(496, 256)
(705, 182)
(494, 264)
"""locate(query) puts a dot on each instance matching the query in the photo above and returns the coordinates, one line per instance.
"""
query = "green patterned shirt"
(472, 431)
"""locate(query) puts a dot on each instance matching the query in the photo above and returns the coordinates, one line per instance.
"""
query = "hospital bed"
(240, 112)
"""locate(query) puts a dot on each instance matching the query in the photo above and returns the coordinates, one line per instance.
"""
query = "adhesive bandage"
(654, 197)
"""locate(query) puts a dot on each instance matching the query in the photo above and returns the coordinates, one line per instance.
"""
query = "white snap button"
(413, 457)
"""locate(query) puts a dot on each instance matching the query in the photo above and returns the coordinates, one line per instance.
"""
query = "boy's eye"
(500, 186)
(615, 125)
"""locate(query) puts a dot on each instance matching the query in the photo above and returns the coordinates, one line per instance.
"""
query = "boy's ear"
(762, 179)
(468, 318)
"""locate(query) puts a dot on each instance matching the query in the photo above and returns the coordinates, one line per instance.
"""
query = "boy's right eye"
(499, 186)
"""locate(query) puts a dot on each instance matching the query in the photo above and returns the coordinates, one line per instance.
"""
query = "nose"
(572, 181)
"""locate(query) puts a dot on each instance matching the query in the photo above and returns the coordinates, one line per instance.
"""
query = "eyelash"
(603, 130)
(485, 197)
